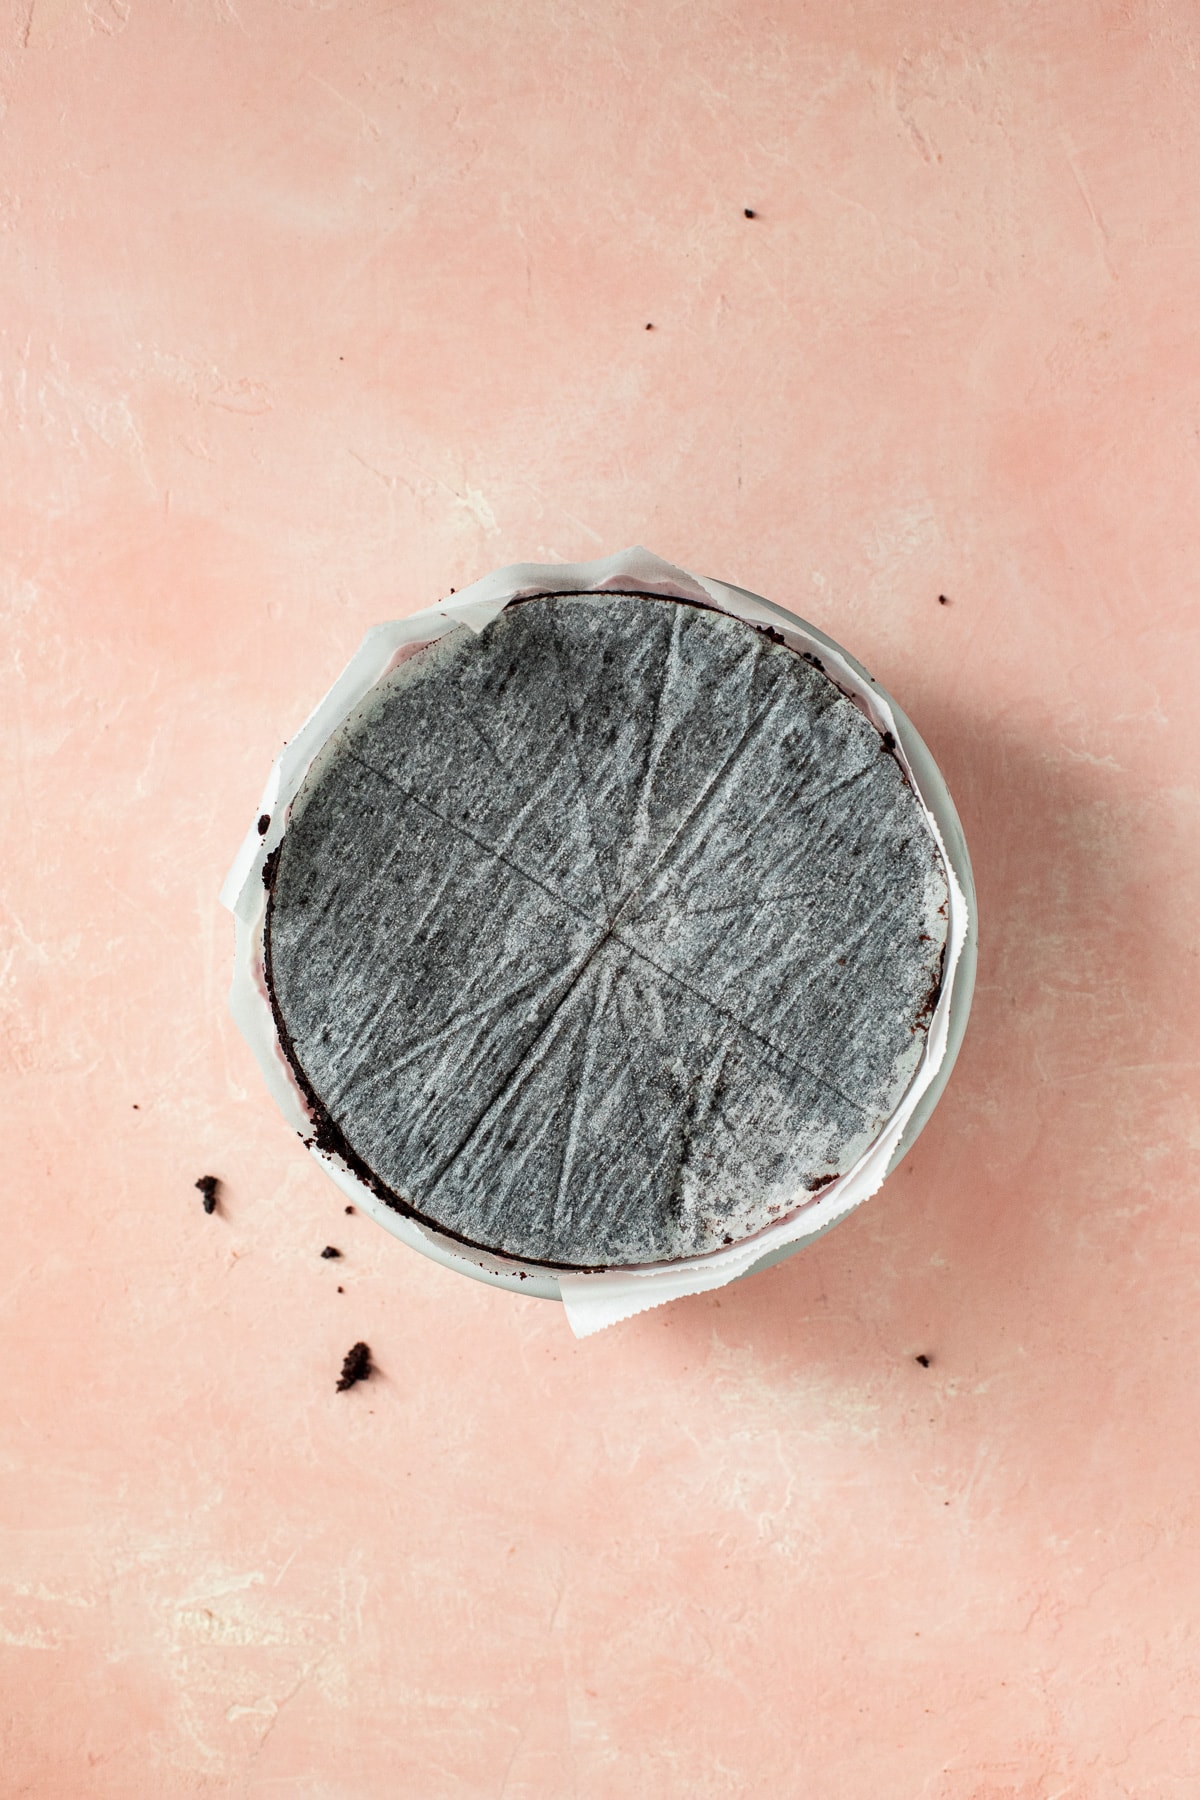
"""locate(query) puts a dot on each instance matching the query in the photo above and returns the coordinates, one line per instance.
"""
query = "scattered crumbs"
(356, 1366)
(329, 1252)
(349, 1209)
(748, 212)
(924, 1360)
(264, 822)
(943, 599)
(208, 1187)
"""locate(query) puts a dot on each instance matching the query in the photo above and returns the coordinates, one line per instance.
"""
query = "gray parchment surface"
(604, 935)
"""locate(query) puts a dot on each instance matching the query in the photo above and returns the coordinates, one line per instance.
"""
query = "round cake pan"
(245, 894)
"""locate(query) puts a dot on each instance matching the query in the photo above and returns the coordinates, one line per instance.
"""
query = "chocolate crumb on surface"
(208, 1185)
(329, 1253)
(557, 932)
(943, 599)
(924, 1360)
(748, 212)
(349, 1209)
(356, 1366)
(264, 824)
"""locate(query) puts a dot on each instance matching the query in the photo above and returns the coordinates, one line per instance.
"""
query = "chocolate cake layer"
(605, 935)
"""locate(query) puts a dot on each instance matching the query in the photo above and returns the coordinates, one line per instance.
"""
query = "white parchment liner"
(591, 1301)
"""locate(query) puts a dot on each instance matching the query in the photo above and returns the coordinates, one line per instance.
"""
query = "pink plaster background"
(309, 313)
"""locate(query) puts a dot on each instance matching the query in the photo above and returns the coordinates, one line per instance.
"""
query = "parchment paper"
(591, 1301)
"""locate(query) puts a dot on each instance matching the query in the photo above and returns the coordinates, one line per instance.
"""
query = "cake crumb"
(329, 1252)
(208, 1187)
(748, 212)
(356, 1366)
(349, 1209)
(264, 822)
(943, 599)
(924, 1360)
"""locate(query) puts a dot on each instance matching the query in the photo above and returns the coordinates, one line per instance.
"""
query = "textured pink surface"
(310, 313)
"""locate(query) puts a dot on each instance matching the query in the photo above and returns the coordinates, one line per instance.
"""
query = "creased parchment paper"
(591, 1300)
